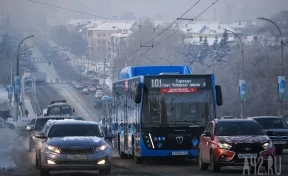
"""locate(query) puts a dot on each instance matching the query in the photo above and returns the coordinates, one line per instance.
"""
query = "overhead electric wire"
(85, 13)
(173, 33)
(163, 30)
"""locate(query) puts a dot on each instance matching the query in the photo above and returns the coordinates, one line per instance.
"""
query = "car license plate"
(77, 157)
(279, 142)
(180, 153)
(247, 155)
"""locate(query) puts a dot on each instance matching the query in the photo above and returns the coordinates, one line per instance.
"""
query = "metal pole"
(242, 66)
(282, 55)
(104, 70)
(17, 74)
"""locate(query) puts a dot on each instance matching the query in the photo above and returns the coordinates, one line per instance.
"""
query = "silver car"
(74, 145)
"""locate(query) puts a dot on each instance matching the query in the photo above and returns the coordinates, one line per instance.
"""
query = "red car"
(232, 142)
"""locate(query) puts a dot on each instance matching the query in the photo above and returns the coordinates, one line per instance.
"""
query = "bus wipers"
(193, 121)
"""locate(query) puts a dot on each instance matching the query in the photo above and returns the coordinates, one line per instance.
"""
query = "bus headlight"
(148, 140)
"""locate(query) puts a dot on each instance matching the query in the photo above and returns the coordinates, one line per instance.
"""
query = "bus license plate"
(247, 155)
(279, 142)
(77, 157)
(180, 153)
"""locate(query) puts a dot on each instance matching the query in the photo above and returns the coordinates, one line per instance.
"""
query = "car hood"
(243, 139)
(76, 141)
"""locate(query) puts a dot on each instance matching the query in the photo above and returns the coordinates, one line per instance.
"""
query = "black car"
(38, 126)
(276, 128)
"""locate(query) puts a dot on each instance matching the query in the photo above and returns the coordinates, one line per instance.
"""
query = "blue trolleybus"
(161, 111)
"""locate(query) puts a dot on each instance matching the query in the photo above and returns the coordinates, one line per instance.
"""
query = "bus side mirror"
(138, 93)
(73, 110)
(219, 99)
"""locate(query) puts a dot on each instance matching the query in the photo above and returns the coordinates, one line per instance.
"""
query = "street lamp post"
(17, 97)
(282, 54)
(242, 68)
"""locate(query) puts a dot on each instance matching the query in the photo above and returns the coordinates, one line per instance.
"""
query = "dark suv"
(276, 128)
(229, 142)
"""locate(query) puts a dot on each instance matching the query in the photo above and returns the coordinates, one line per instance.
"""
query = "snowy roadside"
(8, 140)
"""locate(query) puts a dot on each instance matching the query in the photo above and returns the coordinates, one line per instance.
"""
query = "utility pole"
(17, 97)
(104, 70)
(282, 57)
(242, 70)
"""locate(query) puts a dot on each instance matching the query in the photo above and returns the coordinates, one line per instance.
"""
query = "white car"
(85, 91)
(99, 94)
(79, 86)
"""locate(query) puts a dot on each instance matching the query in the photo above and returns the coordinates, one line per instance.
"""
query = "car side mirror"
(207, 134)
(110, 136)
(138, 93)
(29, 127)
(219, 99)
(39, 135)
(269, 133)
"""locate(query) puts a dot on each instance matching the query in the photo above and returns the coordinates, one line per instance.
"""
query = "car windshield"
(68, 130)
(272, 123)
(234, 128)
(60, 110)
(41, 122)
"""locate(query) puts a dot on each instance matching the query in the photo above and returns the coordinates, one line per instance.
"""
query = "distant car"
(79, 86)
(228, 142)
(74, 145)
(104, 97)
(276, 128)
(67, 59)
(78, 118)
(98, 94)
(85, 91)
(92, 89)
(99, 87)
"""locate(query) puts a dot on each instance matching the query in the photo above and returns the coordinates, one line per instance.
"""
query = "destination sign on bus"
(178, 83)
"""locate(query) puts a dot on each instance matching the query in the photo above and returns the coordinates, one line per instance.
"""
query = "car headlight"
(267, 145)
(224, 146)
(52, 149)
(101, 148)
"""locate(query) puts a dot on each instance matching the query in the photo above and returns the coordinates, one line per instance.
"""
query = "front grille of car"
(77, 150)
(247, 148)
(76, 162)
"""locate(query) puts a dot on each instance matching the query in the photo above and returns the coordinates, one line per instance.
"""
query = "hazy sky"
(156, 9)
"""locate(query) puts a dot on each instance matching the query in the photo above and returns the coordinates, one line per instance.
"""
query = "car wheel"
(214, 167)
(202, 166)
(44, 172)
(106, 172)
